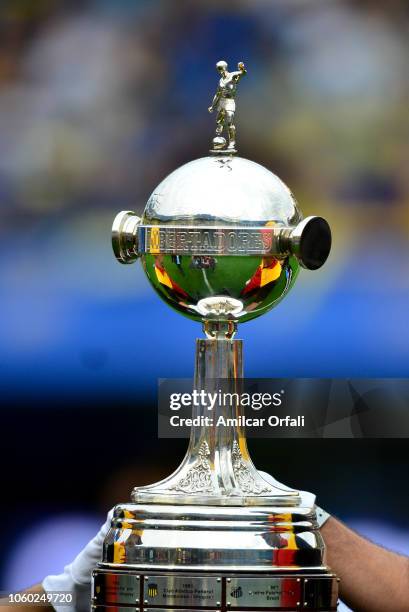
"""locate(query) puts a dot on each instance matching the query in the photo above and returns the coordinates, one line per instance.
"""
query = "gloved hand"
(322, 515)
(76, 578)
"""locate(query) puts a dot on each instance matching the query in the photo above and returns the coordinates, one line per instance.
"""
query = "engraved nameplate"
(320, 593)
(116, 588)
(194, 591)
(115, 609)
(167, 610)
(263, 592)
(207, 240)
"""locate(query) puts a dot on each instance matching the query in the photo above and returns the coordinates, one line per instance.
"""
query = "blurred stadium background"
(99, 100)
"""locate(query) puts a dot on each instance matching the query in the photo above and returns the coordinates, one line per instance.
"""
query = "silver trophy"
(221, 240)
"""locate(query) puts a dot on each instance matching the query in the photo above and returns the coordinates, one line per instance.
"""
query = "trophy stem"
(215, 535)
(217, 469)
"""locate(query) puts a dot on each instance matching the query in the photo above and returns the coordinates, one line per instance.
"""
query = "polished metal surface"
(125, 236)
(224, 104)
(201, 591)
(310, 241)
(217, 190)
(174, 609)
(176, 537)
(269, 241)
(222, 238)
(118, 587)
(262, 592)
(115, 608)
(217, 469)
(221, 241)
(222, 591)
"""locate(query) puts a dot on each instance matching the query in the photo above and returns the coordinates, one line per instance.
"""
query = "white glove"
(76, 578)
(322, 515)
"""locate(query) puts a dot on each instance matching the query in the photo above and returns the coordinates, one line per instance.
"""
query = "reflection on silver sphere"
(219, 305)
(218, 191)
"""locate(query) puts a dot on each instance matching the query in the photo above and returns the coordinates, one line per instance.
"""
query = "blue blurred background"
(99, 100)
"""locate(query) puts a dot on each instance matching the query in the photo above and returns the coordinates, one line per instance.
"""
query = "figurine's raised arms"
(223, 102)
(241, 71)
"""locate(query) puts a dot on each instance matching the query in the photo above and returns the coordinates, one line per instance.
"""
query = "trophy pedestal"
(213, 558)
(215, 534)
(127, 591)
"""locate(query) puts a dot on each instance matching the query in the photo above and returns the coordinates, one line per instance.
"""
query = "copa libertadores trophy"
(221, 240)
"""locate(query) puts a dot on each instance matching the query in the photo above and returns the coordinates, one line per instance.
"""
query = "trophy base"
(162, 557)
(132, 590)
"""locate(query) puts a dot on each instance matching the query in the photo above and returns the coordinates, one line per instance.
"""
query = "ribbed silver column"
(215, 535)
(217, 469)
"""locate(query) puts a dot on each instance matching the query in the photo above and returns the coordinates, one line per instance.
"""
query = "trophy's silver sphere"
(221, 238)
(220, 191)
